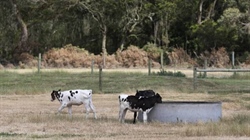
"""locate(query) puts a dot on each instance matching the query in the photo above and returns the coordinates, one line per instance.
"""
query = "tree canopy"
(105, 26)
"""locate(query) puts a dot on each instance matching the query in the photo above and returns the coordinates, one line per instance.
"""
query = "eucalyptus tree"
(14, 28)
(7, 30)
(163, 16)
(101, 12)
(132, 16)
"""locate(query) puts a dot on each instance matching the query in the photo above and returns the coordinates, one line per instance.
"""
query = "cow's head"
(55, 94)
(145, 93)
(158, 98)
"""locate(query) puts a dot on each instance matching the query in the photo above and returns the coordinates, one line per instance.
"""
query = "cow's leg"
(61, 108)
(120, 113)
(135, 115)
(87, 110)
(123, 114)
(145, 116)
(92, 107)
(70, 110)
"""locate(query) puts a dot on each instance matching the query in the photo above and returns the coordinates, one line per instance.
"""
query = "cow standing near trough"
(74, 97)
(143, 93)
(136, 104)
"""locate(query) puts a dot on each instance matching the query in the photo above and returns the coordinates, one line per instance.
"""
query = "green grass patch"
(162, 72)
(6, 134)
(112, 82)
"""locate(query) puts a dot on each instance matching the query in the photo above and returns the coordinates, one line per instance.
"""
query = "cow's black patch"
(69, 98)
(76, 91)
(143, 103)
(57, 96)
(145, 93)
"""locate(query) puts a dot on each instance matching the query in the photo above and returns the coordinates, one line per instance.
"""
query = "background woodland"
(123, 33)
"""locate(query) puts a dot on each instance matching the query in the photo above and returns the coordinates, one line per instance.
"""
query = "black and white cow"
(136, 104)
(143, 93)
(74, 97)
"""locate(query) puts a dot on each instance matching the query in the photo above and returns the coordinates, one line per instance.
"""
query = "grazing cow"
(74, 97)
(135, 104)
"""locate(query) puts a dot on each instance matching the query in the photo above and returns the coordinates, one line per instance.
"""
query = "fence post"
(233, 59)
(100, 77)
(194, 78)
(149, 66)
(92, 66)
(39, 62)
(205, 67)
(161, 59)
(233, 62)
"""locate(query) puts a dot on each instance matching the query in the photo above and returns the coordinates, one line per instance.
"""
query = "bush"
(152, 51)
(73, 56)
(132, 57)
(178, 56)
(162, 72)
(216, 58)
(68, 56)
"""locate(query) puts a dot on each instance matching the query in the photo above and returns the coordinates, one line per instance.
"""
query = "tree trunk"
(200, 11)
(156, 27)
(104, 40)
(122, 43)
(22, 24)
(211, 10)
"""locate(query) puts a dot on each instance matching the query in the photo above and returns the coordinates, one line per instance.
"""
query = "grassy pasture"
(27, 113)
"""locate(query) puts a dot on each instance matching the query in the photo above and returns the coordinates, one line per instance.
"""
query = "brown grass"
(34, 116)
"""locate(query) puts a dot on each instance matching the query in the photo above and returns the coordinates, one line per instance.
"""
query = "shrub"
(152, 51)
(162, 72)
(68, 56)
(216, 58)
(132, 57)
(178, 56)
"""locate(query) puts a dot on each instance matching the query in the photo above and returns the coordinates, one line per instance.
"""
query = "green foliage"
(152, 50)
(172, 23)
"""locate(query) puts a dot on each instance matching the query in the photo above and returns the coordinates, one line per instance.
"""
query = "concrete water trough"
(185, 111)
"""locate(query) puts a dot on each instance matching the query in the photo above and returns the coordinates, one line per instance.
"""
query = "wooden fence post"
(232, 59)
(233, 64)
(100, 77)
(205, 67)
(161, 59)
(149, 66)
(194, 78)
(39, 62)
(92, 66)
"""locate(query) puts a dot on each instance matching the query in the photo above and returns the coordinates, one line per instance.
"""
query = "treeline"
(108, 26)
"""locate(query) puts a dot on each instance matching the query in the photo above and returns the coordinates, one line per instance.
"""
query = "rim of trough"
(190, 102)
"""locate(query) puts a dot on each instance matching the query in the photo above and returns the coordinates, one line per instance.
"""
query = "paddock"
(34, 117)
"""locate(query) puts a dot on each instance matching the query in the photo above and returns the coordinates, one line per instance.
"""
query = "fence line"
(92, 69)
(195, 70)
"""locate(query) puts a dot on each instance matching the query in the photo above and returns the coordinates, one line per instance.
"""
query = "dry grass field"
(34, 117)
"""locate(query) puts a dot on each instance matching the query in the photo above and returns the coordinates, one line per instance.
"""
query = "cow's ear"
(59, 89)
